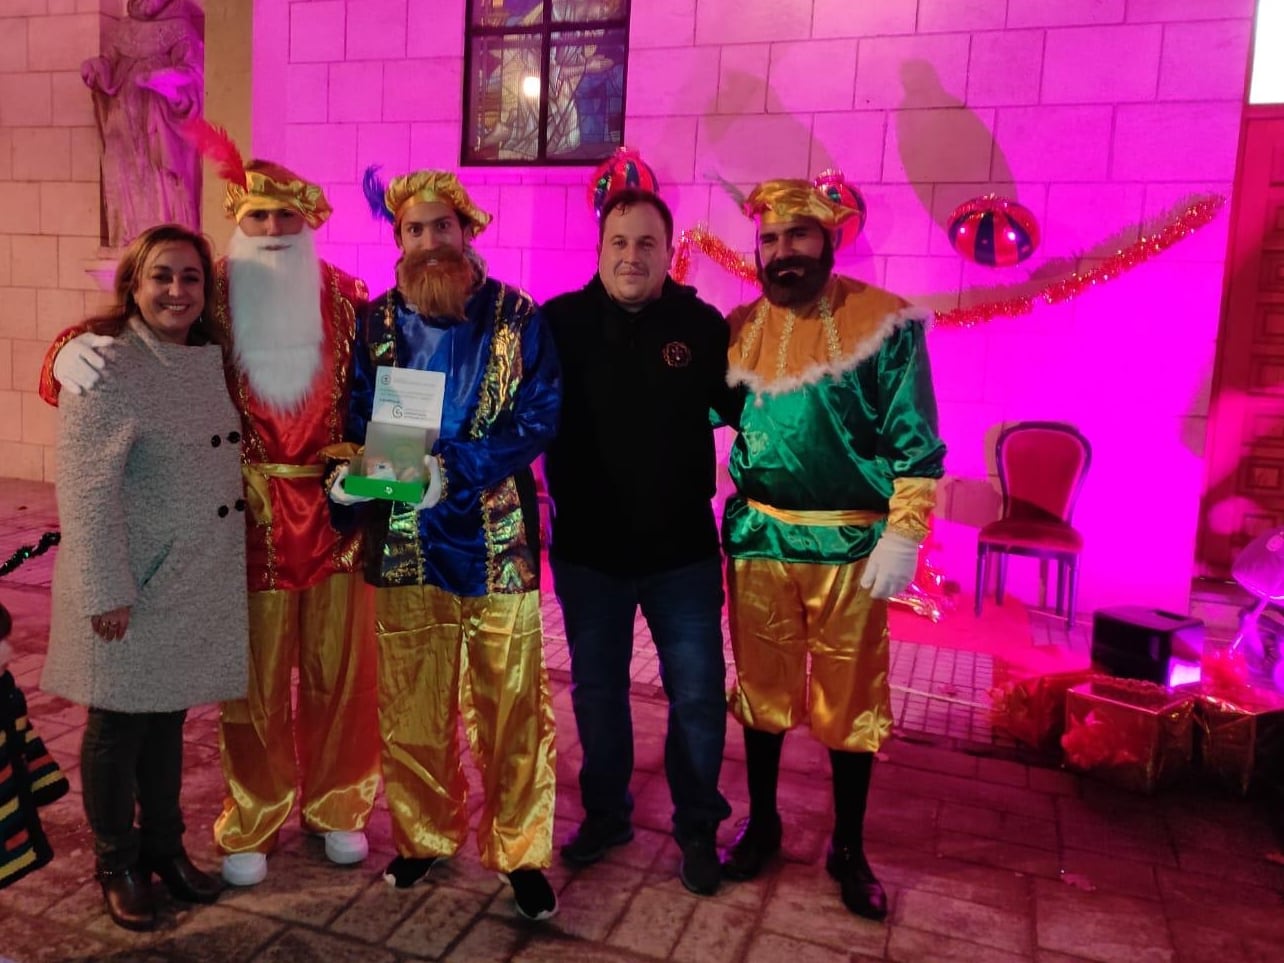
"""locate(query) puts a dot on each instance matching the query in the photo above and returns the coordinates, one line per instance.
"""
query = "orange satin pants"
(443, 656)
(325, 754)
(811, 648)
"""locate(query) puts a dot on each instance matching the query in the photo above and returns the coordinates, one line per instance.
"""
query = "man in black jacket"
(632, 475)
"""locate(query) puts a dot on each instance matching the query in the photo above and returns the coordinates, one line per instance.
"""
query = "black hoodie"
(632, 470)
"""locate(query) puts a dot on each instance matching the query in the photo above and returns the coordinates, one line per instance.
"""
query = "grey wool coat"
(151, 506)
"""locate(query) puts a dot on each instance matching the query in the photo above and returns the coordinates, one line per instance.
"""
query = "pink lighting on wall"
(1098, 127)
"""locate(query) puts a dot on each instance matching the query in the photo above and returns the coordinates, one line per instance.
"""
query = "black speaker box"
(1132, 642)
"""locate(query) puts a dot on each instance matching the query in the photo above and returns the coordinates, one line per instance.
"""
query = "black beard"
(787, 289)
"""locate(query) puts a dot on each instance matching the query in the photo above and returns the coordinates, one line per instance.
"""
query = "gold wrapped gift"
(1239, 735)
(1033, 710)
(1134, 734)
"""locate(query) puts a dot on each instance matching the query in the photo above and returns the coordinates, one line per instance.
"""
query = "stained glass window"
(544, 80)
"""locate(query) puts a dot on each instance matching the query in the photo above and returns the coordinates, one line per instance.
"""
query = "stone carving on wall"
(148, 80)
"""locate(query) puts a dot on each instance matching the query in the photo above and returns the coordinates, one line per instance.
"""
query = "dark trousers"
(133, 760)
(683, 608)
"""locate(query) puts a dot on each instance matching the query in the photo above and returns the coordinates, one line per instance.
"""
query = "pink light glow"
(1128, 362)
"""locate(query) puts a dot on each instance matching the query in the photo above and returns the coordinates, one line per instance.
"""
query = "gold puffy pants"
(443, 655)
(785, 615)
(326, 755)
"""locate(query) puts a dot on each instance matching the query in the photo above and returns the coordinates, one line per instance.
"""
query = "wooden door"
(1244, 487)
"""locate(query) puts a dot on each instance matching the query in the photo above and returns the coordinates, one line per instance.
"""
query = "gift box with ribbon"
(1032, 710)
(1134, 734)
(1239, 744)
(1239, 734)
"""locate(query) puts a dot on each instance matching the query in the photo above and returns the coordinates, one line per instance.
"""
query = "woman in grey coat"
(149, 613)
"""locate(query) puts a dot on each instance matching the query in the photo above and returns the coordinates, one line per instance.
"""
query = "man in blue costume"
(457, 575)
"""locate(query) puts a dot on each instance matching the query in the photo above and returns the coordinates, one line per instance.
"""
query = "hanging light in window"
(530, 86)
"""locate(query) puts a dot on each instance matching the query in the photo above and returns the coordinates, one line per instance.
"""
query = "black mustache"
(795, 262)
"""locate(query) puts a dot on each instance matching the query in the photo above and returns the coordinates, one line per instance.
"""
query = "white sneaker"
(244, 869)
(345, 848)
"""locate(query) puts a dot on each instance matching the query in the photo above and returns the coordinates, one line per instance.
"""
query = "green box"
(391, 466)
(384, 488)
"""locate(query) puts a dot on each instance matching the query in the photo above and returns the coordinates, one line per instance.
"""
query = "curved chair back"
(1042, 465)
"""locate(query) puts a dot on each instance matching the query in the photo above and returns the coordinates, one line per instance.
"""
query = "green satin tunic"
(837, 443)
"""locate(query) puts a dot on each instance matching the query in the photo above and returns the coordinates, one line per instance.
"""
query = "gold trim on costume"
(257, 492)
(403, 561)
(828, 519)
(402, 557)
(833, 346)
(384, 350)
(769, 356)
(509, 565)
(910, 507)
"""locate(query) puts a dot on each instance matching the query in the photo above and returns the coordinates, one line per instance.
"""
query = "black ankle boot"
(756, 843)
(127, 894)
(182, 878)
(862, 892)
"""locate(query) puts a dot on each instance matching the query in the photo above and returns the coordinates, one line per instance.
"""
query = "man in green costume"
(835, 469)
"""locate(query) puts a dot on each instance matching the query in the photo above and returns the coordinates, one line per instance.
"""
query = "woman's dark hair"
(130, 268)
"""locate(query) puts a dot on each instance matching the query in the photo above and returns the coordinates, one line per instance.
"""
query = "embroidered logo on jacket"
(677, 354)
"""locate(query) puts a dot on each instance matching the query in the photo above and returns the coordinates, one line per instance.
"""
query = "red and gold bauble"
(623, 169)
(994, 231)
(833, 185)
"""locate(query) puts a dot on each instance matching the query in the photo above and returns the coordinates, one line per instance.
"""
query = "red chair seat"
(1022, 533)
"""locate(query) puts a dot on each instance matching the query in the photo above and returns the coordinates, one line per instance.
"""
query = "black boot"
(182, 878)
(861, 891)
(127, 894)
(759, 838)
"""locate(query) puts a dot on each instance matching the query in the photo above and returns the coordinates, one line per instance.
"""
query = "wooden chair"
(1042, 465)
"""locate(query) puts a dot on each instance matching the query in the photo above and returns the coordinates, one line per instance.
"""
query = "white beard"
(275, 302)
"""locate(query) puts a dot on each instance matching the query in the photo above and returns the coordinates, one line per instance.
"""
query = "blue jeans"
(683, 608)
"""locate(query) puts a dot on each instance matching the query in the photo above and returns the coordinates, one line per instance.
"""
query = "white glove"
(340, 495)
(432, 491)
(80, 362)
(890, 566)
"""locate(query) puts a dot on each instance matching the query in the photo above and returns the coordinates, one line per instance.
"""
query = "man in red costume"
(288, 373)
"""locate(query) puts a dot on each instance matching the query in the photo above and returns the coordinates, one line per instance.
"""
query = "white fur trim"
(867, 348)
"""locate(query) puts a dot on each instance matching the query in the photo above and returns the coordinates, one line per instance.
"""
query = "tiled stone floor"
(985, 857)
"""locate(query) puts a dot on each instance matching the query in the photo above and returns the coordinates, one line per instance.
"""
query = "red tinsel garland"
(716, 250)
(1185, 223)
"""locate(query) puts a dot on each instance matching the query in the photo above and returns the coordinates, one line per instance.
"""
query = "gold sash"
(256, 474)
(829, 519)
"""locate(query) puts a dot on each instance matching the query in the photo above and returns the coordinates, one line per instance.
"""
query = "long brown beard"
(436, 282)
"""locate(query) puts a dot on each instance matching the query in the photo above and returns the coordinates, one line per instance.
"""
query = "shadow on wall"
(930, 117)
(740, 98)
(794, 151)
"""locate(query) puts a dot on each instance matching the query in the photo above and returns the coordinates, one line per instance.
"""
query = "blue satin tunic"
(503, 396)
